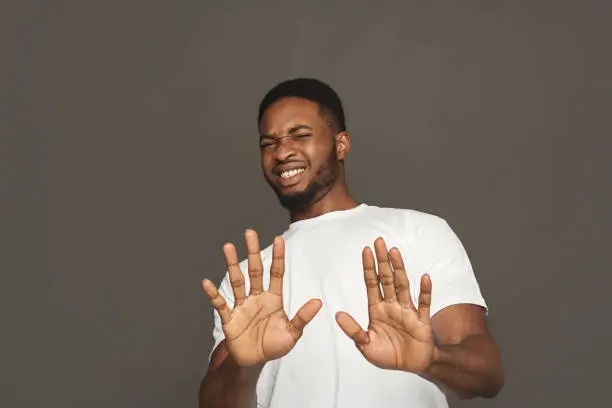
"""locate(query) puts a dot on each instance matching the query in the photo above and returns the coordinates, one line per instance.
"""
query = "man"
(322, 320)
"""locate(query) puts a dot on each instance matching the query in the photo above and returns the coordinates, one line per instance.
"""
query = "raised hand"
(257, 329)
(399, 336)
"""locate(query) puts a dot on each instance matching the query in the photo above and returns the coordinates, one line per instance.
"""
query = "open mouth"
(290, 177)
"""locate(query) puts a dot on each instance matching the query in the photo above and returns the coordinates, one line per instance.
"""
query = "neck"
(337, 198)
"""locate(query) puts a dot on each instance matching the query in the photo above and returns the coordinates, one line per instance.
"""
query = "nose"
(285, 149)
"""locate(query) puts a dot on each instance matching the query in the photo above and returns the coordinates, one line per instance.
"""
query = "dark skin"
(453, 348)
(295, 132)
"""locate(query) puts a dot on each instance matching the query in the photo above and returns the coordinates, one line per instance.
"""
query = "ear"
(343, 145)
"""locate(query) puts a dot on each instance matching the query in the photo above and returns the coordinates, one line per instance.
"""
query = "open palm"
(399, 336)
(257, 329)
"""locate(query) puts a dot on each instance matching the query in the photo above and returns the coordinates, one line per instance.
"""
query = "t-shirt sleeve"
(225, 289)
(452, 277)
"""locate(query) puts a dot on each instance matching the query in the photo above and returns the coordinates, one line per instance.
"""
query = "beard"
(325, 177)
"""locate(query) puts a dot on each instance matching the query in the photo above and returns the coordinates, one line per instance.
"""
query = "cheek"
(267, 163)
(320, 155)
(314, 153)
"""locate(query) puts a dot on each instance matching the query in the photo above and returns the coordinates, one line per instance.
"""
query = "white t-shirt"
(323, 260)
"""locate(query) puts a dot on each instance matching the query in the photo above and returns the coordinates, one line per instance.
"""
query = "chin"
(291, 192)
(296, 199)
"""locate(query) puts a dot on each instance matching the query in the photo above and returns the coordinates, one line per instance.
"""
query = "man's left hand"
(399, 336)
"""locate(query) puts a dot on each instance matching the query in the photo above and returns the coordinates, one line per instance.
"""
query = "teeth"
(291, 173)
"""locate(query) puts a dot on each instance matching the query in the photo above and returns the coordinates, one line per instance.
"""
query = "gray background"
(129, 156)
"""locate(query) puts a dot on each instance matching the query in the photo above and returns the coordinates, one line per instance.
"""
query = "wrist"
(246, 367)
(436, 355)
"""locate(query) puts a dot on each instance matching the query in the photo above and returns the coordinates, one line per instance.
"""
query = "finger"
(254, 262)
(370, 277)
(277, 269)
(425, 298)
(235, 274)
(351, 328)
(303, 316)
(402, 286)
(385, 273)
(217, 301)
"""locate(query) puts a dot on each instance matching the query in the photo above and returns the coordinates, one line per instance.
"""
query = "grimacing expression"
(298, 152)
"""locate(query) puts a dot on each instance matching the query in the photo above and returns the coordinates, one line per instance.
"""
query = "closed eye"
(267, 141)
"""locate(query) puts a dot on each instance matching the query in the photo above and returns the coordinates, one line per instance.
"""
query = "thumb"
(303, 316)
(351, 328)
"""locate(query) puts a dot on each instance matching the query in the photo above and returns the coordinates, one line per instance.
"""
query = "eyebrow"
(290, 131)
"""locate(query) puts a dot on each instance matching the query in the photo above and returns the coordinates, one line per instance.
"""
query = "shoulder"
(429, 233)
(414, 222)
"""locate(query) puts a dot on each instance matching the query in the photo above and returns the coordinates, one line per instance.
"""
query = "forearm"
(471, 368)
(229, 386)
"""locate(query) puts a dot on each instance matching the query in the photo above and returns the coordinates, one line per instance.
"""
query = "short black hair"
(313, 90)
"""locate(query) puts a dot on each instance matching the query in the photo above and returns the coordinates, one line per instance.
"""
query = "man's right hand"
(257, 329)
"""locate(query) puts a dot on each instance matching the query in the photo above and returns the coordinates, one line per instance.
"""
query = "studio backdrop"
(129, 155)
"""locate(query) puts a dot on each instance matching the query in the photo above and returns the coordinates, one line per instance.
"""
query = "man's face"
(298, 152)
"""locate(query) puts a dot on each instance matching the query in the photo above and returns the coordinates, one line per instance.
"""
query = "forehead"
(288, 112)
